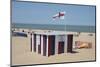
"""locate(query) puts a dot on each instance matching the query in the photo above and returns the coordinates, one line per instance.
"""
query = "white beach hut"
(49, 43)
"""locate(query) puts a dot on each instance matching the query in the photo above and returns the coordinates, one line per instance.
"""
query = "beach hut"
(51, 43)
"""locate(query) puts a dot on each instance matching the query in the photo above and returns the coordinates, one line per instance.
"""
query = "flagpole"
(65, 28)
(61, 16)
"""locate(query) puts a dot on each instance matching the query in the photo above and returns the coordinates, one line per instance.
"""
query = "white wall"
(32, 42)
(59, 38)
(37, 42)
(56, 44)
(47, 47)
(65, 47)
(41, 44)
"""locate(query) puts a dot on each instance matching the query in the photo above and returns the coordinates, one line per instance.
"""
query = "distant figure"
(22, 30)
(90, 34)
(79, 33)
(31, 34)
(28, 32)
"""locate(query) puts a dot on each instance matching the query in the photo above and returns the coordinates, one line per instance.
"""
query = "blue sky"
(41, 13)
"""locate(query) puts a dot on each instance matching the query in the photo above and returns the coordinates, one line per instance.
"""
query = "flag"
(59, 15)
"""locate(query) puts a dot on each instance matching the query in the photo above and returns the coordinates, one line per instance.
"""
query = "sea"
(73, 28)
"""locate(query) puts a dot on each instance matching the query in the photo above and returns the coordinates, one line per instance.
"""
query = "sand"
(21, 54)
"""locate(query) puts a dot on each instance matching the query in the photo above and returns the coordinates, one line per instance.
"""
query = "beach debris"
(90, 34)
(81, 44)
(19, 34)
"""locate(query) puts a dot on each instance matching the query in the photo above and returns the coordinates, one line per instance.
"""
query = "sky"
(42, 13)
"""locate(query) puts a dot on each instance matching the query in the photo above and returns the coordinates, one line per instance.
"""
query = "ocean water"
(74, 28)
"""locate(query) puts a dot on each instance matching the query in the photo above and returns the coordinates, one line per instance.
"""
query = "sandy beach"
(21, 54)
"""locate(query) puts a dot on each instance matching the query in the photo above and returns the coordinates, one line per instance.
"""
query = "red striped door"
(34, 42)
(69, 43)
(51, 45)
(60, 47)
(31, 43)
(44, 44)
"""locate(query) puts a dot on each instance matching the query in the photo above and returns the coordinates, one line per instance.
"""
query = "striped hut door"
(44, 44)
(31, 42)
(34, 42)
(70, 43)
(51, 45)
(60, 47)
